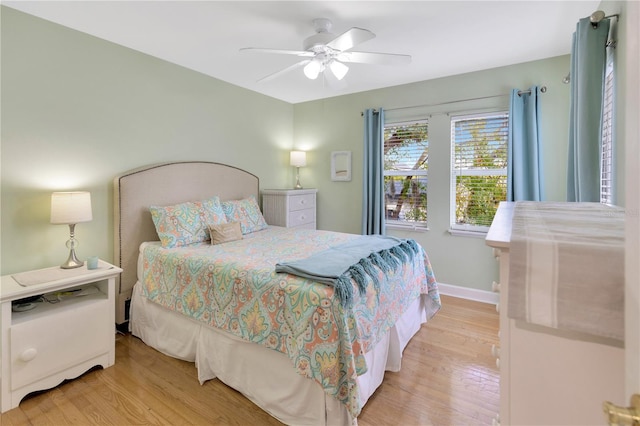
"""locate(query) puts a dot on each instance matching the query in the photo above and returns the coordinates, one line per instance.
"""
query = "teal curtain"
(373, 217)
(588, 61)
(524, 168)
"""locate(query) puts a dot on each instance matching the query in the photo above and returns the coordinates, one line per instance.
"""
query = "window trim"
(468, 230)
(398, 224)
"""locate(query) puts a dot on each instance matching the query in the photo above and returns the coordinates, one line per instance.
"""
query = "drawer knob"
(302, 201)
(495, 351)
(496, 420)
(495, 287)
(303, 217)
(498, 307)
(28, 354)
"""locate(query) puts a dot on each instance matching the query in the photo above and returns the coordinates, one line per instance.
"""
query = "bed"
(299, 349)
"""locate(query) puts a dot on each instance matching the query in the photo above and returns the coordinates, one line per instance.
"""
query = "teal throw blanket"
(355, 259)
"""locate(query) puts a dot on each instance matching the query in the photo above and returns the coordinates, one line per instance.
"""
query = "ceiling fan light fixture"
(326, 50)
(338, 69)
(312, 69)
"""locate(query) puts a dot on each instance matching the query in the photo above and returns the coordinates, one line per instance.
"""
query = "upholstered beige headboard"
(164, 184)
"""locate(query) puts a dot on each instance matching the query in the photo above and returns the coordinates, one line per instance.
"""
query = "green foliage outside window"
(406, 157)
(478, 197)
(411, 201)
(480, 158)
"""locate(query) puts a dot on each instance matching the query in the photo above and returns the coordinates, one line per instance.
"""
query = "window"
(478, 169)
(406, 155)
(606, 162)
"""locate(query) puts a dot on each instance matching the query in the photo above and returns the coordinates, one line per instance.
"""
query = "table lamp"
(70, 208)
(298, 159)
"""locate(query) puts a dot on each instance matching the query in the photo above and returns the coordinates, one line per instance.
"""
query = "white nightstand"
(51, 342)
(292, 208)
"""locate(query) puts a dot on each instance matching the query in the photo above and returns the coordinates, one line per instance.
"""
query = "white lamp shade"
(338, 69)
(70, 207)
(312, 69)
(298, 158)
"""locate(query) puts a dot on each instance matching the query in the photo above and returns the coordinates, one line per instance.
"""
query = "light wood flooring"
(448, 377)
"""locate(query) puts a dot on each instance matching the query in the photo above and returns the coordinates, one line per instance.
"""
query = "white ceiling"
(443, 37)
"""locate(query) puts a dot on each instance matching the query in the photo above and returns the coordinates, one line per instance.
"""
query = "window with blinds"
(478, 169)
(606, 162)
(406, 158)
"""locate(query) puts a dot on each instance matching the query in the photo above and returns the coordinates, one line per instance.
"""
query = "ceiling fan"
(326, 51)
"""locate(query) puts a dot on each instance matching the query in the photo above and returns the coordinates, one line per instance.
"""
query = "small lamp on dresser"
(70, 208)
(298, 159)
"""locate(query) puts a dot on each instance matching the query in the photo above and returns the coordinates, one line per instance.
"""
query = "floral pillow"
(213, 212)
(247, 212)
(186, 223)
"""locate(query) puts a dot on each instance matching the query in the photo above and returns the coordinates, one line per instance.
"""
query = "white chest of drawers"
(291, 208)
(549, 376)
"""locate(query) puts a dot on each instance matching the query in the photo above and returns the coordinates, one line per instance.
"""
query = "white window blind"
(478, 169)
(406, 155)
(606, 163)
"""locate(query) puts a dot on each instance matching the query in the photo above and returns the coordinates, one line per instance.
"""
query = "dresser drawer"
(300, 202)
(292, 208)
(302, 217)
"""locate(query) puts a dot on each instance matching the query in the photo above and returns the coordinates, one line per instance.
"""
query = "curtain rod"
(543, 89)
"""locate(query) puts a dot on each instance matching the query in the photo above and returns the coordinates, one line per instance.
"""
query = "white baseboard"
(468, 293)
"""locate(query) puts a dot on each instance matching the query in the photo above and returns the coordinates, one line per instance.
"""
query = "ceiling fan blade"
(350, 38)
(303, 53)
(284, 71)
(374, 58)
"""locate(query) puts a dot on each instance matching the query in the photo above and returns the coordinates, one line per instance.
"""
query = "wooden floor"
(448, 377)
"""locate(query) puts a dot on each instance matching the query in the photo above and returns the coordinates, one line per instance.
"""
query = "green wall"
(77, 111)
(336, 124)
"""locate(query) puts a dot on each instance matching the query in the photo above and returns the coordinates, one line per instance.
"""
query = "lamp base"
(72, 261)
(298, 186)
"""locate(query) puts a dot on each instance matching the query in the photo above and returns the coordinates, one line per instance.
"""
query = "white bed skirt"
(279, 390)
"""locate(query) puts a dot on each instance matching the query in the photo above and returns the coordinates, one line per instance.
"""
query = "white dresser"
(549, 376)
(291, 208)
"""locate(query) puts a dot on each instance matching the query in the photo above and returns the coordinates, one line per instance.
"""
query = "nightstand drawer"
(302, 217)
(52, 343)
(304, 201)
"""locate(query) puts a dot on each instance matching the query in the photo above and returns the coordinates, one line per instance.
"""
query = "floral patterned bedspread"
(234, 287)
